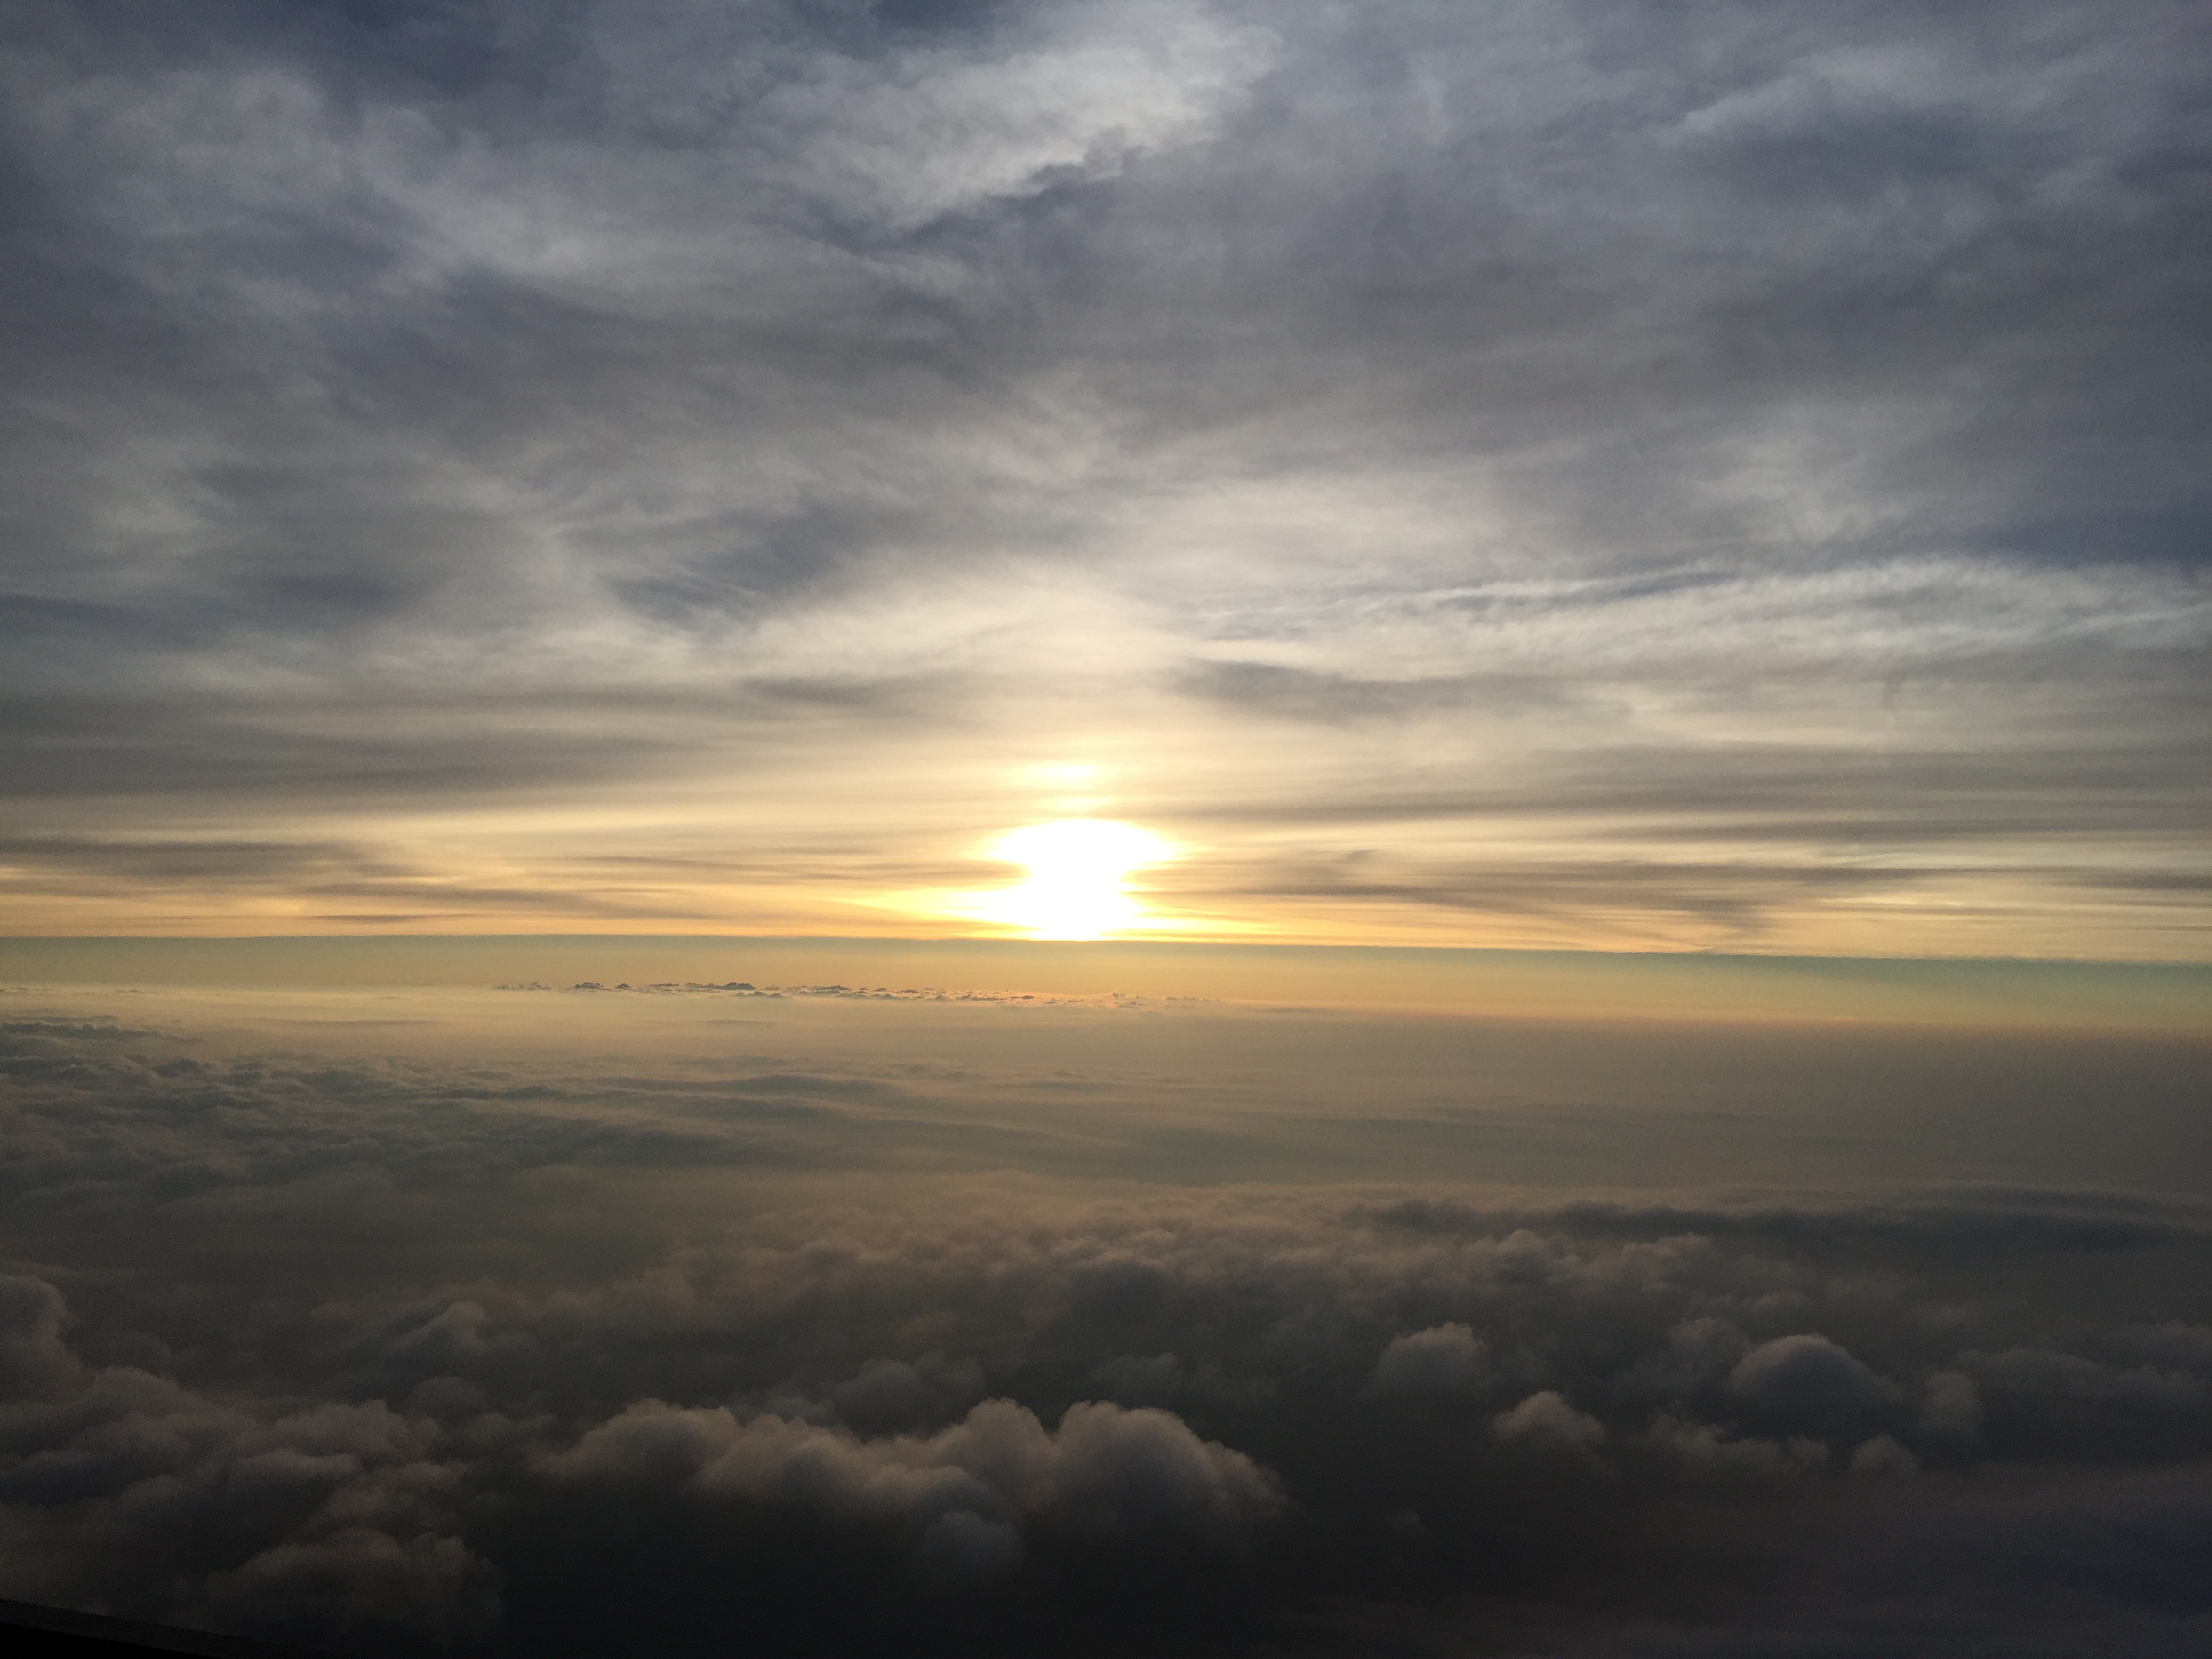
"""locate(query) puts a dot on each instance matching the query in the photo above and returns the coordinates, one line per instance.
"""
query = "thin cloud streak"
(1757, 452)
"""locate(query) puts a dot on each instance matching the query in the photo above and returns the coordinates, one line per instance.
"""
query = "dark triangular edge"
(101, 1634)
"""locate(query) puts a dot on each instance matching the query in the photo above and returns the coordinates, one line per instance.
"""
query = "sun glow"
(1077, 884)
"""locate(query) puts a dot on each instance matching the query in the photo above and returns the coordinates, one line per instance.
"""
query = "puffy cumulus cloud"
(1807, 1379)
(1952, 1406)
(960, 1548)
(1545, 1418)
(1883, 1454)
(443, 1338)
(2175, 1344)
(425, 1345)
(896, 1394)
(2034, 1396)
(1140, 1381)
(33, 1359)
(361, 1579)
(126, 1492)
(1698, 1353)
(1442, 1358)
(1706, 1451)
(1108, 1474)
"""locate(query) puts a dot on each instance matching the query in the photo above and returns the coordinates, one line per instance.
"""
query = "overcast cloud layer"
(566, 1322)
(1534, 473)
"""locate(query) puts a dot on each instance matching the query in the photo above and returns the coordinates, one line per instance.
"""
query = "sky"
(1645, 477)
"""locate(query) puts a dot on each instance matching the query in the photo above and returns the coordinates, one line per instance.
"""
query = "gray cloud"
(1545, 1418)
(1108, 1473)
(1445, 1356)
(504, 1341)
(431, 406)
(1807, 1379)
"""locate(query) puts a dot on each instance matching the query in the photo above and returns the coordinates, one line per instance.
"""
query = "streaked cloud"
(1754, 455)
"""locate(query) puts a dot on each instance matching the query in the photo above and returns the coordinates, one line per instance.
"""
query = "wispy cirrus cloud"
(801, 405)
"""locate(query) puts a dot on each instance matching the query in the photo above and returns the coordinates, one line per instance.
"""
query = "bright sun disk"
(1078, 868)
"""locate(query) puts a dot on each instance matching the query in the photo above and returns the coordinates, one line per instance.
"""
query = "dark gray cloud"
(376, 1320)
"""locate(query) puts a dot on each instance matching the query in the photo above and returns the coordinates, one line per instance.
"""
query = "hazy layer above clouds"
(1988, 996)
(537, 1322)
(1544, 474)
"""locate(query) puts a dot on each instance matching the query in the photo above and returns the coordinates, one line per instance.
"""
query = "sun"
(1077, 884)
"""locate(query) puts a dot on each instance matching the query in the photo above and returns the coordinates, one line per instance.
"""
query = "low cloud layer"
(1569, 475)
(423, 1350)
